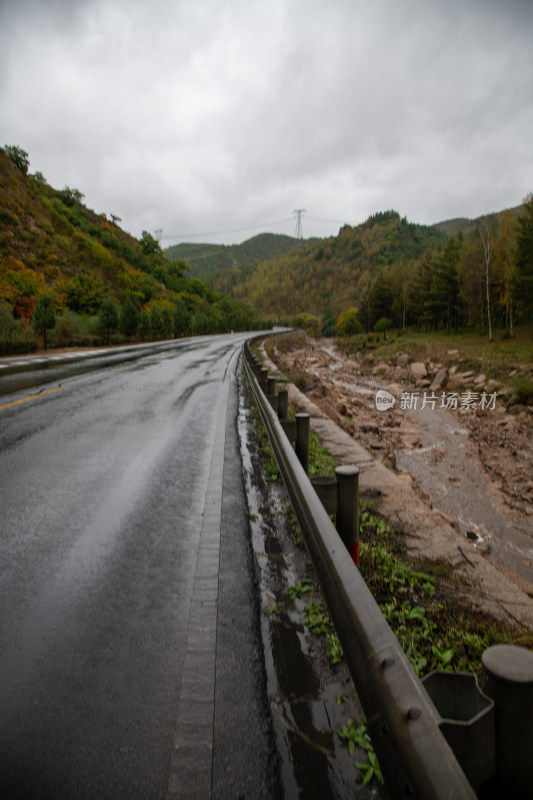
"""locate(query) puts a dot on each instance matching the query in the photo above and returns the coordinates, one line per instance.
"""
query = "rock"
(440, 380)
(452, 370)
(424, 383)
(402, 359)
(401, 374)
(468, 374)
(410, 440)
(394, 388)
(455, 383)
(417, 371)
(453, 352)
(369, 427)
(519, 408)
(380, 369)
(493, 386)
(480, 379)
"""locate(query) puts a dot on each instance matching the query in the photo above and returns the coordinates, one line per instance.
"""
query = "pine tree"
(523, 290)
(44, 317)
(129, 319)
(108, 318)
(444, 294)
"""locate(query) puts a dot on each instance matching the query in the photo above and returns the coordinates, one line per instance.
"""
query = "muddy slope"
(456, 482)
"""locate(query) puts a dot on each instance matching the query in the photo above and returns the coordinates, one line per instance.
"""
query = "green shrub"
(307, 322)
(348, 323)
(523, 388)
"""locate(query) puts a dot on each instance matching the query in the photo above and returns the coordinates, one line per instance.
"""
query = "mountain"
(206, 259)
(451, 227)
(328, 275)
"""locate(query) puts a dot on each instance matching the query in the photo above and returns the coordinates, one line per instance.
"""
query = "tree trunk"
(484, 233)
(488, 301)
(481, 306)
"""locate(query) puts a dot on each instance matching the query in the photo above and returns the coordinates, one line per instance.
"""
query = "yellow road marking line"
(30, 397)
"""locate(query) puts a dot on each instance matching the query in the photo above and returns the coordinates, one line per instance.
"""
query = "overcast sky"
(224, 116)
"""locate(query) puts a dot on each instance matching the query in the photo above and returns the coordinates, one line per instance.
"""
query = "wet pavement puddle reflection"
(304, 689)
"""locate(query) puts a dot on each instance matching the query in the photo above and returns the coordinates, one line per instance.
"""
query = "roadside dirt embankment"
(455, 482)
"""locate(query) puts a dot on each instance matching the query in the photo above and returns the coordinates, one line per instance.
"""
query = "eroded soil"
(471, 467)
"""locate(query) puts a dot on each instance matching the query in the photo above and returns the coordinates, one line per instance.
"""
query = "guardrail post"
(508, 681)
(263, 379)
(302, 440)
(283, 403)
(289, 428)
(348, 508)
(271, 394)
(326, 488)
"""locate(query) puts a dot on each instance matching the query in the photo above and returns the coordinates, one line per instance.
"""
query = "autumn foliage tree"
(348, 323)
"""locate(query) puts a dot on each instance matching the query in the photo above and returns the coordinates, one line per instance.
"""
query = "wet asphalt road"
(104, 483)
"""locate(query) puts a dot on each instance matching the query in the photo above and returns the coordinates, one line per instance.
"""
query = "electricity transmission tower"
(298, 213)
(158, 232)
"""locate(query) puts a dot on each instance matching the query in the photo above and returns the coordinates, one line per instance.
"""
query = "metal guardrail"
(414, 756)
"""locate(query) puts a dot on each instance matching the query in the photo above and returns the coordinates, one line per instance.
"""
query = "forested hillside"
(206, 259)
(53, 246)
(327, 277)
(392, 273)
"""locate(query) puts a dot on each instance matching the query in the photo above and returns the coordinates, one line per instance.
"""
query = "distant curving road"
(128, 641)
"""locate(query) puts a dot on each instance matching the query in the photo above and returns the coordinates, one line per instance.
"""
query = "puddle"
(302, 686)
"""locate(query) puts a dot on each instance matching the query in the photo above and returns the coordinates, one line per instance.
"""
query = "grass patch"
(300, 379)
(435, 629)
(299, 588)
(495, 358)
(321, 462)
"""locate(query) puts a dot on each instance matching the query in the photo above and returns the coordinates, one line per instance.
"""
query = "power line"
(298, 213)
(220, 233)
(330, 221)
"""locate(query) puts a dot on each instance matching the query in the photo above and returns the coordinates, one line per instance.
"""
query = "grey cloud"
(199, 115)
